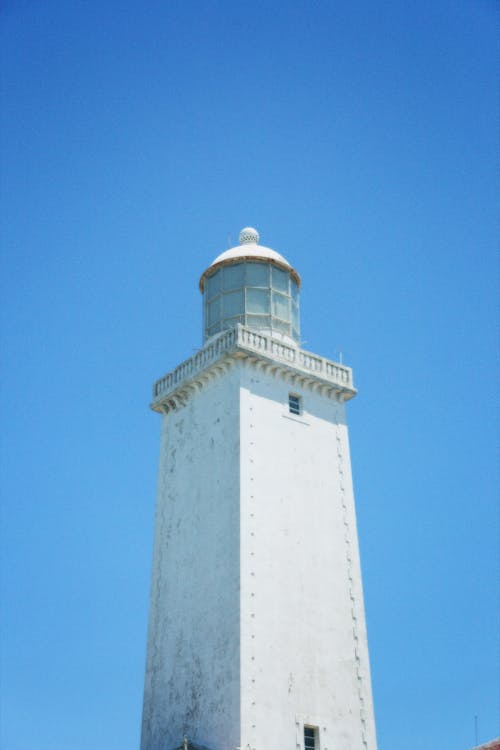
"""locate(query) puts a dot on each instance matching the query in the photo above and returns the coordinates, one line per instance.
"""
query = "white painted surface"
(257, 623)
(250, 250)
(192, 669)
(302, 618)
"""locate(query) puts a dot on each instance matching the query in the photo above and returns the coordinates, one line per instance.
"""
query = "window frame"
(315, 738)
(295, 404)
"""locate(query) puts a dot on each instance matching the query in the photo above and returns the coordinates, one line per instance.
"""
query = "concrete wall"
(257, 623)
(303, 640)
(192, 670)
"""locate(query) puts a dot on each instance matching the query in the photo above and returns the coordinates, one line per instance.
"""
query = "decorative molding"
(264, 352)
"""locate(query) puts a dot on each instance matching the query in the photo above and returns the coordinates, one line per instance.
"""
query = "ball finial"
(249, 234)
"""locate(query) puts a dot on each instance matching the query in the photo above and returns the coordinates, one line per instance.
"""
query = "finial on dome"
(249, 234)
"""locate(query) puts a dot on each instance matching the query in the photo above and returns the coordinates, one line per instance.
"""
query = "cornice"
(254, 349)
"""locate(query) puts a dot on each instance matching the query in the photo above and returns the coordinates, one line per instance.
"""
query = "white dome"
(249, 249)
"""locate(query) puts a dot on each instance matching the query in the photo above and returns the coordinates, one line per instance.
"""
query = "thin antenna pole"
(475, 729)
(228, 241)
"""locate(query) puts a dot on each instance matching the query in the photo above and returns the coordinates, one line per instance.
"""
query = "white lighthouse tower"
(257, 636)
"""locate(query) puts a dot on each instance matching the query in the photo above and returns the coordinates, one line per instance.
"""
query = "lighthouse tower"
(257, 636)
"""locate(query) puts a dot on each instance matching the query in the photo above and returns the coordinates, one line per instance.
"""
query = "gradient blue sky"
(360, 139)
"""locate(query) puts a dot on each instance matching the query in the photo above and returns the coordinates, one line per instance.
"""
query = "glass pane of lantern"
(280, 279)
(232, 322)
(295, 291)
(259, 321)
(279, 325)
(295, 315)
(213, 312)
(233, 276)
(212, 285)
(258, 301)
(233, 303)
(257, 274)
(281, 306)
(214, 329)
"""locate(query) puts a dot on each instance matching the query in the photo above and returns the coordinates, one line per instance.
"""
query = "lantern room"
(252, 285)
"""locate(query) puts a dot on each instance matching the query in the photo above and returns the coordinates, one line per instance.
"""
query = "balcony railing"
(250, 341)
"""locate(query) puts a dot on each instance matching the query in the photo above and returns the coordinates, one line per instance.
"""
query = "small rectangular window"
(310, 735)
(293, 403)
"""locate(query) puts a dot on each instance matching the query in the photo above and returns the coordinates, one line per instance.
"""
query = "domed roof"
(249, 249)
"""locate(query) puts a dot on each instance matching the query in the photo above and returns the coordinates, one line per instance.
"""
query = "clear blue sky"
(360, 139)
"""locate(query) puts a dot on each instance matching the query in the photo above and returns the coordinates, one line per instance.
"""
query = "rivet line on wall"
(156, 651)
(354, 616)
(252, 527)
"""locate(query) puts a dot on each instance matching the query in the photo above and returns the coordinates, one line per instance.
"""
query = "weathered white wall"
(192, 670)
(301, 600)
(257, 623)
